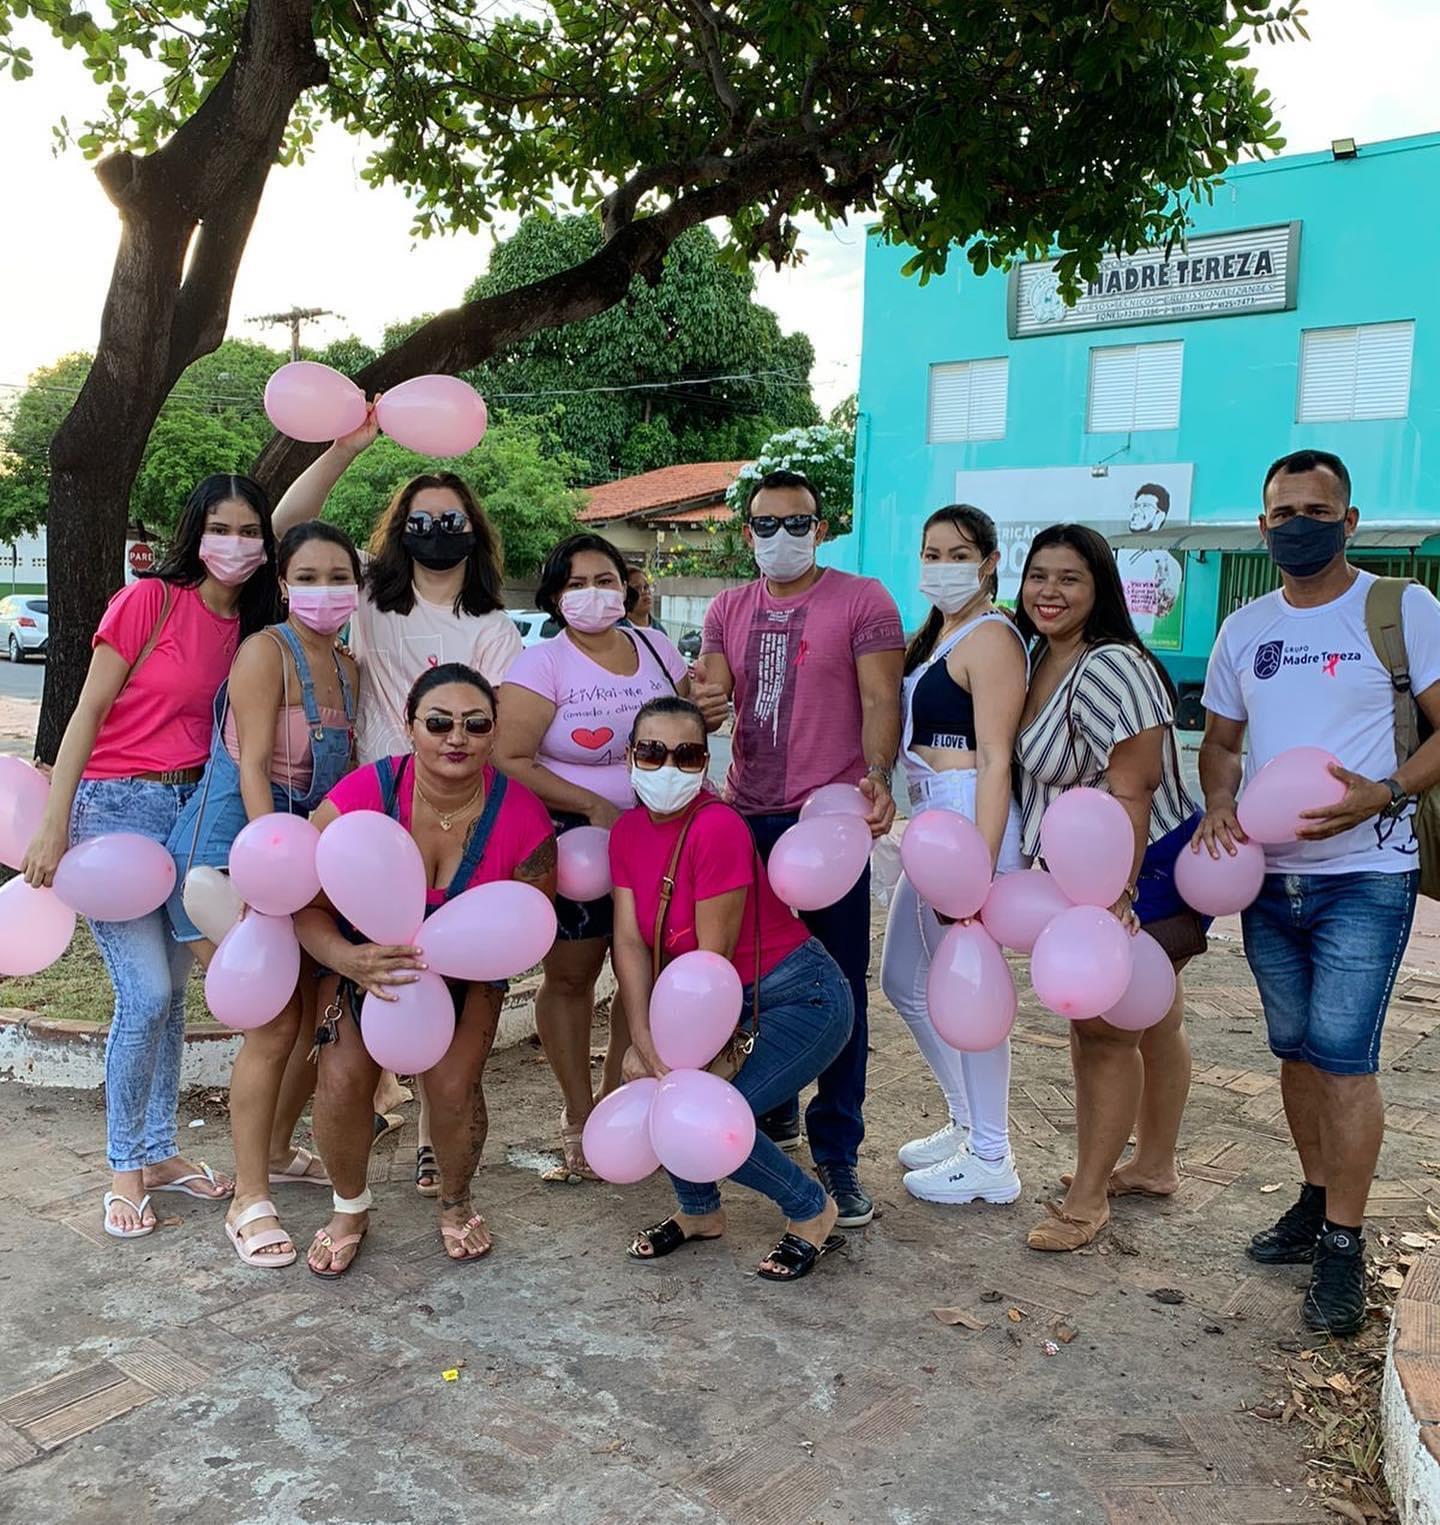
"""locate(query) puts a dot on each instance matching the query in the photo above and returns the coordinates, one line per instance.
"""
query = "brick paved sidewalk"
(154, 1380)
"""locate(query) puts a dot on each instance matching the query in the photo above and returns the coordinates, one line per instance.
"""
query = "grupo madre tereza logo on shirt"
(1271, 656)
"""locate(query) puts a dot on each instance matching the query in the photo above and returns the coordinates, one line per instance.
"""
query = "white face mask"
(949, 585)
(665, 790)
(785, 557)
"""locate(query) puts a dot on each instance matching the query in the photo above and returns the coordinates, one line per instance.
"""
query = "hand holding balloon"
(376, 968)
(1219, 830)
(1364, 798)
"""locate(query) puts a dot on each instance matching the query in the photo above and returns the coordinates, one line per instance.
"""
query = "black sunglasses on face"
(475, 725)
(690, 756)
(451, 522)
(766, 525)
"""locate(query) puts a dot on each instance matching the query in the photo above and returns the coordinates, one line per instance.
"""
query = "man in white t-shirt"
(1324, 939)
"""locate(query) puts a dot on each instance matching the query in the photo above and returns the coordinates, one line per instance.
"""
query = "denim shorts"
(1325, 950)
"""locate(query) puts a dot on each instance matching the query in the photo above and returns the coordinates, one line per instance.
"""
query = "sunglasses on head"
(474, 725)
(766, 525)
(690, 756)
(452, 522)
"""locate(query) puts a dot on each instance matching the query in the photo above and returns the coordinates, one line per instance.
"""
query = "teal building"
(1301, 311)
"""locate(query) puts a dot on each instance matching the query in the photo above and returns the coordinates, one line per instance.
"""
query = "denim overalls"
(215, 813)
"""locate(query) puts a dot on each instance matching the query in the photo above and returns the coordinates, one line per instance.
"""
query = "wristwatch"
(1399, 799)
(878, 770)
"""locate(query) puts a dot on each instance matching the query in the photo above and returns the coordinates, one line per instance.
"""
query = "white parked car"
(534, 625)
(24, 625)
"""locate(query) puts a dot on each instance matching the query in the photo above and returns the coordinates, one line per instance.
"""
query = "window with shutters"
(1135, 386)
(967, 400)
(1350, 373)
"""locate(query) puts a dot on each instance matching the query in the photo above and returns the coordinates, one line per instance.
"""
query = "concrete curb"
(40, 1052)
(1410, 1397)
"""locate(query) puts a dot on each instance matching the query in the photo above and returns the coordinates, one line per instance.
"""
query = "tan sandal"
(572, 1143)
(1062, 1232)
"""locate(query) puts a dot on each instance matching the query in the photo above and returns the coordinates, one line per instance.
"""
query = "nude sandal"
(325, 1242)
(574, 1167)
(249, 1250)
(457, 1235)
(1062, 1232)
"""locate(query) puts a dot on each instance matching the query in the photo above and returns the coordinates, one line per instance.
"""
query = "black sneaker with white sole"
(781, 1125)
(1291, 1240)
(843, 1184)
(1335, 1301)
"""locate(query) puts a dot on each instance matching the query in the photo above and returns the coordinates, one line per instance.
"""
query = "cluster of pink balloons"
(582, 862)
(820, 859)
(434, 415)
(116, 877)
(695, 1124)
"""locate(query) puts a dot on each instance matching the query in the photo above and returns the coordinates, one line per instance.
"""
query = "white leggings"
(976, 1086)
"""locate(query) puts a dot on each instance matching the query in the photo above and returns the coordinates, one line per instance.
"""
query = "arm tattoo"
(540, 863)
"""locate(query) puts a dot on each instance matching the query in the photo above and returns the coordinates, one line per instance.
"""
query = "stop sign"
(141, 557)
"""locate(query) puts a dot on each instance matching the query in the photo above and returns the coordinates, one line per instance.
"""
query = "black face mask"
(436, 551)
(1303, 546)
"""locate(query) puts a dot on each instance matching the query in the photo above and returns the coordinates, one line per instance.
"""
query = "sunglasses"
(690, 756)
(452, 522)
(765, 525)
(474, 725)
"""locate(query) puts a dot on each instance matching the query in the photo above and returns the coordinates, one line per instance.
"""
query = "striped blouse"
(1111, 694)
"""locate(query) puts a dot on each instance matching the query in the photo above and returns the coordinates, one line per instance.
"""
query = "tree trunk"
(197, 197)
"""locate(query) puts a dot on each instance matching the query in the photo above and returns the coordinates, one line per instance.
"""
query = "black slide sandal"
(664, 1239)
(427, 1169)
(798, 1256)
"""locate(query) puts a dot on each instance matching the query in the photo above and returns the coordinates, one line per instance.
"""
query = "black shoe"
(1335, 1302)
(782, 1126)
(841, 1181)
(1291, 1242)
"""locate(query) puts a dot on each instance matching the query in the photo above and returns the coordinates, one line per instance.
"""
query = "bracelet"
(880, 771)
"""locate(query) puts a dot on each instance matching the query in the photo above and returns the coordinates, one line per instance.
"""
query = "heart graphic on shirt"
(592, 741)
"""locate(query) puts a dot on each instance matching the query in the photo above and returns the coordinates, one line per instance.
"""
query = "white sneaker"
(966, 1178)
(943, 1144)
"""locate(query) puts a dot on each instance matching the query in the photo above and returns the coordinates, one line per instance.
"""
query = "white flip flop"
(249, 1249)
(297, 1172)
(111, 1198)
(203, 1174)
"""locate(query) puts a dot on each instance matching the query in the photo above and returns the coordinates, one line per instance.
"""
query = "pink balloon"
(701, 1127)
(1082, 963)
(412, 1033)
(254, 971)
(835, 799)
(694, 1008)
(312, 402)
(583, 863)
(1293, 781)
(24, 793)
(617, 1134)
(35, 928)
(272, 863)
(492, 932)
(373, 875)
(434, 415)
(117, 877)
(948, 861)
(1151, 989)
(970, 991)
(1019, 907)
(1220, 886)
(818, 861)
(1088, 844)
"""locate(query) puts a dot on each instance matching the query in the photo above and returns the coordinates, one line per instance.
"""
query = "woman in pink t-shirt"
(797, 1001)
(472, 826)
(132, 754)
(565, 710)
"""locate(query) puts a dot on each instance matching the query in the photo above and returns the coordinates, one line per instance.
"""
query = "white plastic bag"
(885, 866)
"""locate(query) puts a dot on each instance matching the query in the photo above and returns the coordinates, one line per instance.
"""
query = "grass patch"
(77, 989)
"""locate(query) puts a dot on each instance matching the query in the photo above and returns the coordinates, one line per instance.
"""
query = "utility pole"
(294, 318)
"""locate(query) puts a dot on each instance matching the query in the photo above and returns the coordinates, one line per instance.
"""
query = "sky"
(324, 239)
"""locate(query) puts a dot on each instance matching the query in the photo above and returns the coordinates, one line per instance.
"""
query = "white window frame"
(1371, 381)
(1161, 360)
(985, 418)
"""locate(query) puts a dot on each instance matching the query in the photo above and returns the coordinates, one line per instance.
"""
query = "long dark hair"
(1109, 623)
(260, 593)
(391, 579)
(978, 527)
(556, 572)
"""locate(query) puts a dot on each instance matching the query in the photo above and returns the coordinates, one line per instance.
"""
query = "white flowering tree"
(822, 454)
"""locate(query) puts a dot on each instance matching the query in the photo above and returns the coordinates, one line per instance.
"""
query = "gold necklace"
(447, 818)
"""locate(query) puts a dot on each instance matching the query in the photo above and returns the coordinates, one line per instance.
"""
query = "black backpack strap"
(479, 837)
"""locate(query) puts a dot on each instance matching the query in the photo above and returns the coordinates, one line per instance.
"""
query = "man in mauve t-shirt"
(811, 658)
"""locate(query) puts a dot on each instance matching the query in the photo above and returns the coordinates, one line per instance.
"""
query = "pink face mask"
(323, 610)
(231, 559)
(591, 610)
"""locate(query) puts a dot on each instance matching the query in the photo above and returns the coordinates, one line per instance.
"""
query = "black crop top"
(942, 713)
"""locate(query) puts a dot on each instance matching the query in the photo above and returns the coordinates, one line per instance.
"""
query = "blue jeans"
(804, 1021)
(149, 970)
(834, 1120)
(1325, 950)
